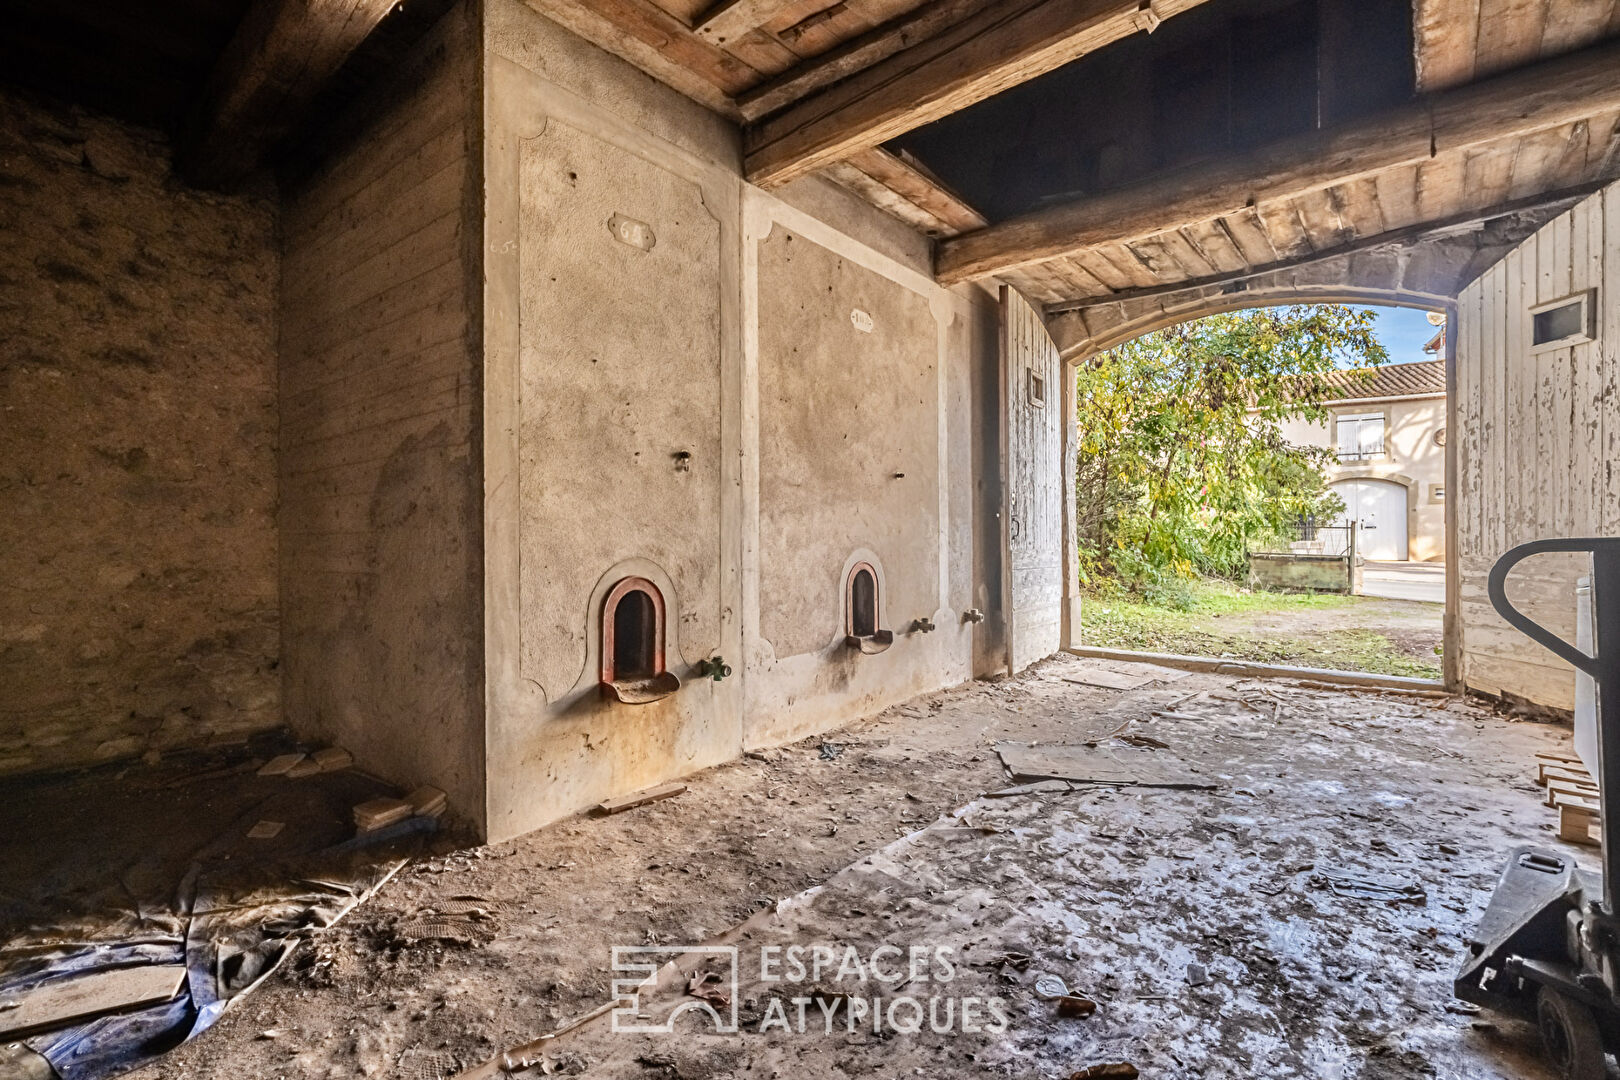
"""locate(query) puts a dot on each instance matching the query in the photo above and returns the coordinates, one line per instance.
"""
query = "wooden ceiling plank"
(1085, 280)
(1539, 155)
(1512, 214)
(283, 53)
(1127, 265)
(1574, 23)
(1488, 173)
(886, 198)
(1547, 95)
(730, 20)
(1445, 36)
(1440, 188)
(1215, 245)
(1320, 216)
(1397, 196)
(1099, 267)
(658, 43)
(853, 56)
(998, 47)
(921, 187)
(1285, 228)
(1359, 207)
(1249, 233)
(764, 53)
(1603, 146)
(1187, 254)
(1160, 262)
(1510, 34)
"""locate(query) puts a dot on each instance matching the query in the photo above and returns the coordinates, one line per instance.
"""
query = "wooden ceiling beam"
(282, 54)
(1538, 208)
(1531, 99)
(991, 50)
(729, 20)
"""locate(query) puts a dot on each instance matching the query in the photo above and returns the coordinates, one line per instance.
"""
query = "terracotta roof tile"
(1391, 380)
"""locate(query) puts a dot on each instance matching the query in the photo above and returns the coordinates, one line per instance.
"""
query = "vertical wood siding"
(1035, 484)
(1538, 445)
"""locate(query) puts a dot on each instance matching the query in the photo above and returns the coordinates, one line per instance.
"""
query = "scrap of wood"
(1578, 825)
(640, 798)
(1111, 680)
(266, 830)
(427, 801)
(1558, 757)
(278, 766)
(1555, 772)
(380, 812)
(1098, 765)
(332, 759)
(62, 1004)
(1556, 788)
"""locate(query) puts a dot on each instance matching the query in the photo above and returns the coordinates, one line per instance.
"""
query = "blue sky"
(1404, 332)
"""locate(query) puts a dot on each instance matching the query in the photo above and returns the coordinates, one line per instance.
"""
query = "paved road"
(1405, 581)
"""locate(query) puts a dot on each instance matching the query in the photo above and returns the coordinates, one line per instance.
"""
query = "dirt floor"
(1354, 633)
(1207, 925)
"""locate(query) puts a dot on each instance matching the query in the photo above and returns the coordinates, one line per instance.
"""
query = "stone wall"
(137, 444)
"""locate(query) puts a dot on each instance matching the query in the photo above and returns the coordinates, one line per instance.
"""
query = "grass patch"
(1209, 619)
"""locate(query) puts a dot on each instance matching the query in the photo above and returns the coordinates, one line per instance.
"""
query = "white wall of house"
(1409, 457)
(1537, 440)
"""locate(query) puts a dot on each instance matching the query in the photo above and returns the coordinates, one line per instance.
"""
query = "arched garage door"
(1380, 506)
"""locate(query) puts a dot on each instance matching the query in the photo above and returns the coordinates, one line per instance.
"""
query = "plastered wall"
(1412, 459)
(730, 393)
(381, 516)
(137, 443)
(1538, 443)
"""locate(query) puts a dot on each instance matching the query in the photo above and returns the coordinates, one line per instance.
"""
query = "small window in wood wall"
(633, 669)
(1562, 323)
(861, 610)
(1037, 389)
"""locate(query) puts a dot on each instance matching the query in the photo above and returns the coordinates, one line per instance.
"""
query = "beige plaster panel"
(620, 373)
(842, 411)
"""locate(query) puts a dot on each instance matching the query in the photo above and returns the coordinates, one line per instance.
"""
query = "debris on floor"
(1099, 765)
(639, 798)
(1573, 792)
(134, 912)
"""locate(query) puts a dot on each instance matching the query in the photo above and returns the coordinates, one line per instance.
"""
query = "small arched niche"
(863, 610)
(633, 670)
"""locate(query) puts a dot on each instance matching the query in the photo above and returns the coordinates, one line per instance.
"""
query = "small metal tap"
(973, 615)
(714, 668)
(923, 626)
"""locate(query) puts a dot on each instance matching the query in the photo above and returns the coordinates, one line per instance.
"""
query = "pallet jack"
(1548, 944)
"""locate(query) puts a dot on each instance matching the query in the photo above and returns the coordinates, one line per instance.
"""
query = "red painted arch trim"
(610, 607)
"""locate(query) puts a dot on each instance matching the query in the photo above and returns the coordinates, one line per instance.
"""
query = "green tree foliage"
(1182, 462)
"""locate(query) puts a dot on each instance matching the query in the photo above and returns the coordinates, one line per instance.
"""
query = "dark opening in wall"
(633, 643)
(635, 628)
(863, 603)
(861, 610)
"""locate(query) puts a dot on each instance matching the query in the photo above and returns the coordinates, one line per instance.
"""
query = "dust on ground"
(1121, 893)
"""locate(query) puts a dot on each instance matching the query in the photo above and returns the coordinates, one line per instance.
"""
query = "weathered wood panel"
(1035, 488)
(1539, 443)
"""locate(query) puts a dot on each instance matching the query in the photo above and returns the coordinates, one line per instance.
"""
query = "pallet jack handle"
(1603, 667)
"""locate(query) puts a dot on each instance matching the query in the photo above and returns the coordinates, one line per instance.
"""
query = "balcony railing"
(1362, 453)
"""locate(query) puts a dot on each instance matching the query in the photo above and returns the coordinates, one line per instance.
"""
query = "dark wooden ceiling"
(139, 60)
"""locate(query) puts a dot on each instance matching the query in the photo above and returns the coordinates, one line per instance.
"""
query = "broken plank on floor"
(61, 1004)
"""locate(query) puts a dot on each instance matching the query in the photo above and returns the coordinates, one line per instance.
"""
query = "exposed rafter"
(1538, 207)
(1532, 99)
(279, 59)
(995, 48)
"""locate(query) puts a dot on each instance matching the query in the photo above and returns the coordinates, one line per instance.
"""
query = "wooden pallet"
(1573, 792)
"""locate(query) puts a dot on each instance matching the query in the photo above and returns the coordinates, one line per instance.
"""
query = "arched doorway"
(1379, 506)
